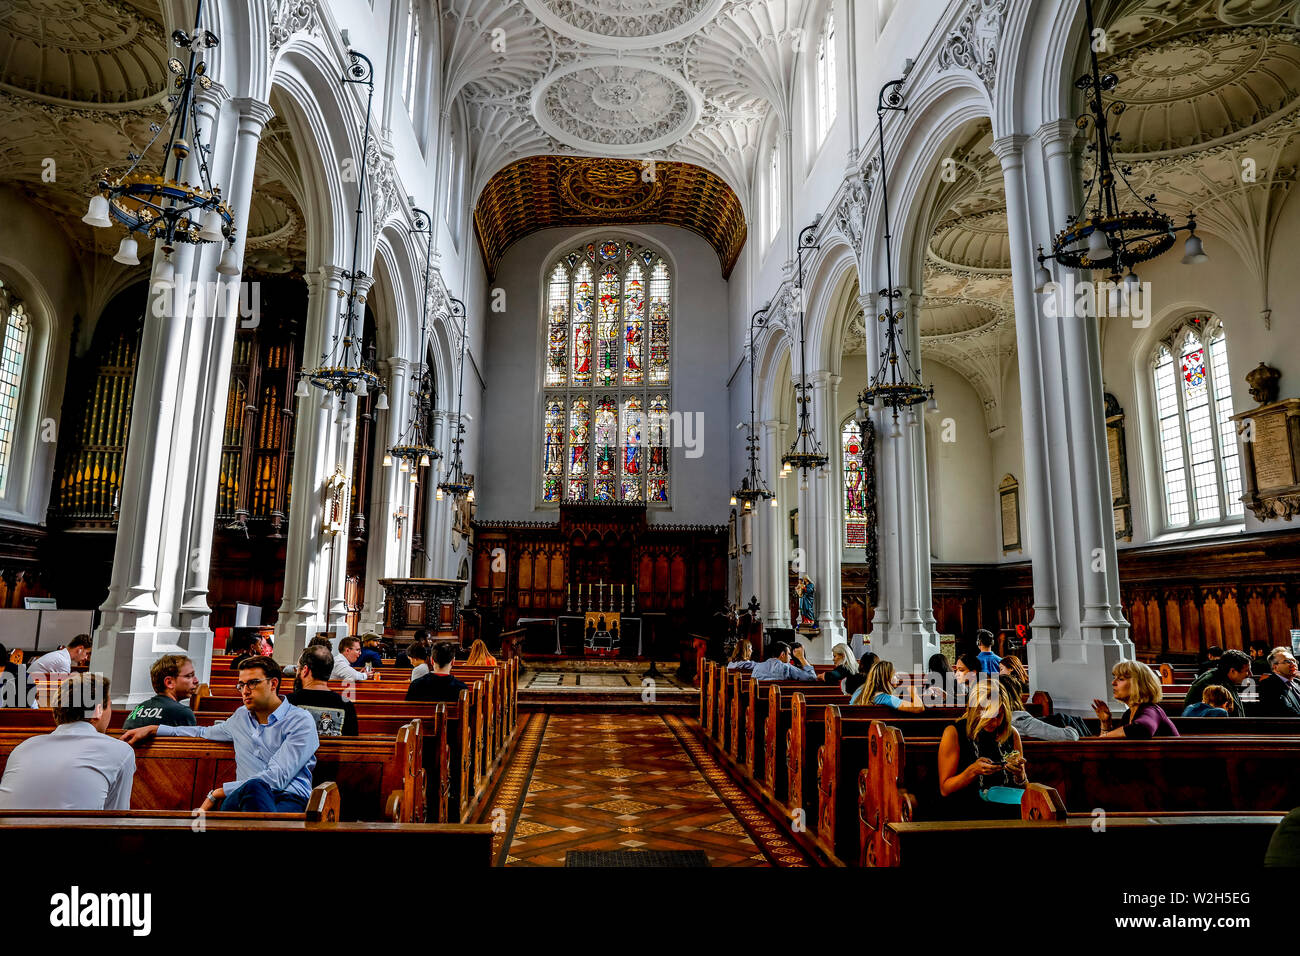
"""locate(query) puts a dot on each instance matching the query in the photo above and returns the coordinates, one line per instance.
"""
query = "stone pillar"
(1078, 628)
(903, 628)
(827, 515)
(303, 611)
(387, 555)
(157, 598)
(773, 574)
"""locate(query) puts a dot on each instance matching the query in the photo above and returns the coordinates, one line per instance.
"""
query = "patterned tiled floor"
(626, 782)
(549, 680)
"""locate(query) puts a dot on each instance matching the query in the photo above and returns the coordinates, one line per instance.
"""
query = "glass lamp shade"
(437, 495)
(362, 389)
(229, 264)
(404, 467)
(414, 477)
(1194, 251)
(302, 391)
(1130, 284)
(164, 277)
(895, 432)
(424, 461)
(327, 402)
(381, 403)
(211, 231)
(911, 418)
(1098, 247)
(388, 460)
(470, 496)
(733, 501)
(1042, 279)
(126, 252)
(932, 405)
(747, 506)
(97, 214)
(773, 502)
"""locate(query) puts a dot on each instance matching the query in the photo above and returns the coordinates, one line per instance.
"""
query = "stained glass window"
(1198, 447)
(607, 303)
(855, 486)
(13, 355)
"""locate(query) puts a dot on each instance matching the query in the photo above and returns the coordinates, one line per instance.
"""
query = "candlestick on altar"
(568, 598)
(621, 605)
(633, 597)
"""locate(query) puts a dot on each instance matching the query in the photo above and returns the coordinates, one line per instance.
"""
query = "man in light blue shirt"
(275, 745)
(778, 666)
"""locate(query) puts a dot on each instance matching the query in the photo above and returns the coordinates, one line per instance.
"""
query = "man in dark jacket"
(438, 684)
(1230, 671)
(1279, 693)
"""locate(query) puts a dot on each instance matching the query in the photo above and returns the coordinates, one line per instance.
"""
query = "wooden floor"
(593, 781)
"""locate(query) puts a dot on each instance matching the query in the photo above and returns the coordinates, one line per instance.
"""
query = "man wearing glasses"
(1279, 694)
(275, 745)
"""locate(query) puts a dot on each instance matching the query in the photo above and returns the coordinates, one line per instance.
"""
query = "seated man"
(77, 653)
(1230, 671)
(1260, 662)
(371, 652)
(76, 766)
(988, 660)
(438, 684)
(334, 714)
(778, 666)
(275, 745)
(173, 679)
(1279, 695)
(348, 653)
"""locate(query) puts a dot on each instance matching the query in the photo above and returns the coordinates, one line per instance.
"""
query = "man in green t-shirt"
(174, 680)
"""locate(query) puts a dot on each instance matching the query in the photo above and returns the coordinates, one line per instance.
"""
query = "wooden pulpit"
(414, 603)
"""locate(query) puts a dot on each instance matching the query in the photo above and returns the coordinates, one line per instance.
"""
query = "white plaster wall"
(1008, 453)
(512, 430)
(963, 526)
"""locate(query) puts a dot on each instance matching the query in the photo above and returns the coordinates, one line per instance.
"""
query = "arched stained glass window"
(606, 371)
(13, 357)
(855, 486)
(1200, 470)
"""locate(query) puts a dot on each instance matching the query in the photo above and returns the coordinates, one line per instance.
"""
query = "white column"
(826, 515)
(157, 599)
(386, 556)
(903, 628)
(773, 576)
(1078, 628)
(302, 613)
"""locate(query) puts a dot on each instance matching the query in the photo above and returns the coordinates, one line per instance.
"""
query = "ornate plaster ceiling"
(545, 191)
(82, 52)
(688, 81)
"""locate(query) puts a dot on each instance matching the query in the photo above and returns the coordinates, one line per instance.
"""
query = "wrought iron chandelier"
(165, 207)
(1105, 235)
(414, 448)
(752, 487)
(344, 369)
(805, 451)
(456, 484)
(896, 383)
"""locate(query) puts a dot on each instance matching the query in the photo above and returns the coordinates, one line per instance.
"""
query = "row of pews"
(423, 769)
(857, 785)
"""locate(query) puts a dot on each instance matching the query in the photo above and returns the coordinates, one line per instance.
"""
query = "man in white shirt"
(349, 651)
(77, 766)
(62, 661)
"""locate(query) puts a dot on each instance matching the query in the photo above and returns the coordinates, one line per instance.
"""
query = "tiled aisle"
(627, 781)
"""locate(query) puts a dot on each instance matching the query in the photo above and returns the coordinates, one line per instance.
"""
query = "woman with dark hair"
(851, 683)
(938, 681)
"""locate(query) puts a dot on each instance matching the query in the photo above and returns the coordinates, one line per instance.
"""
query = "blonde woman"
(1136, 685)
(845, 665)
(980, 757)
(740, 657)
(479, 656)
(879, 691)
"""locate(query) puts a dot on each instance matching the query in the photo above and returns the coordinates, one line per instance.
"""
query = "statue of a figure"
(807, 592)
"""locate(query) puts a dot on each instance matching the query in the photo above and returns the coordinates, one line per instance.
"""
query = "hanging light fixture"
(805, 451)
(752, 486)
(165, 207)
(456, 484)
(1105, 235)
(414, 447)
(896, 382)
(344, 369)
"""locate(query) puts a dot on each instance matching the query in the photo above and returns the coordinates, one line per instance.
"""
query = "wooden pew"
(1189, 774)
(378, 778)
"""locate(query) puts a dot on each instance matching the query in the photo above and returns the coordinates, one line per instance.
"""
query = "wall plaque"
(1270, 442)
(1120, 503)
(1009, 501)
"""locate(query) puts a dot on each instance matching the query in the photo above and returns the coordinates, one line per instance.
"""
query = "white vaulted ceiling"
(682, 80)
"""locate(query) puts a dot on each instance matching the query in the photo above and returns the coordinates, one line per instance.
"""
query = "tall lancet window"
(1200, 472)
(13, 356)
(606, 375)
(826, 78)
